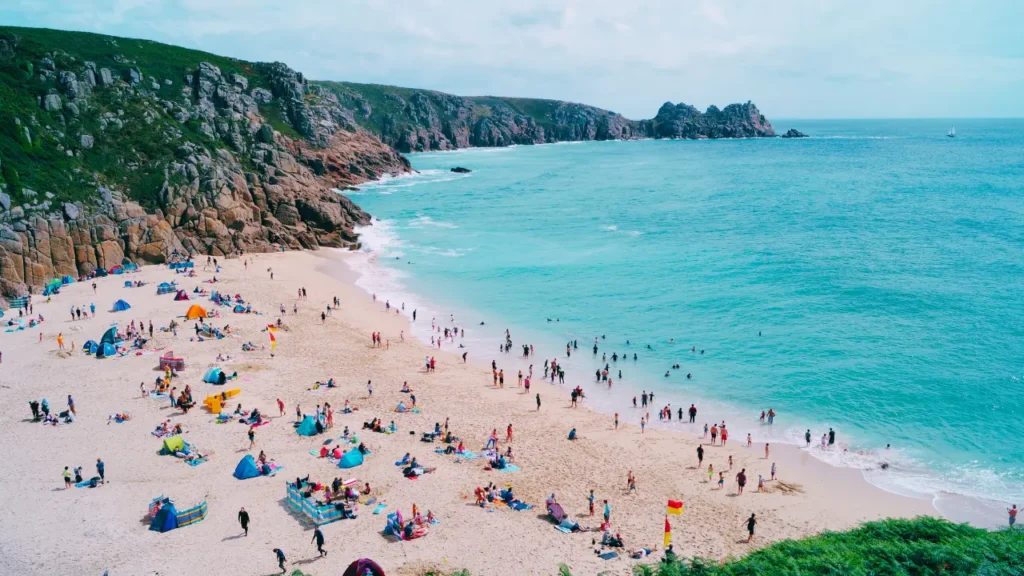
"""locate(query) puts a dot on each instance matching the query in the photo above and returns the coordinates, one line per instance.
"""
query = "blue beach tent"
(105, 349)
(247, 468)
(351, 459)
(110, 336)
(90, 346)
(121, 306)
(166, 519)
(239, 309)
(308, 427)
(67, 280)
(212, 375)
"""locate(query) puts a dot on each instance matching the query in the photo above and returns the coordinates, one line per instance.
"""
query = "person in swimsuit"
(751, 524)
(741, 481)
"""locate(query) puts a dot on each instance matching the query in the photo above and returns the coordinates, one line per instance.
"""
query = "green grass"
(924, 546)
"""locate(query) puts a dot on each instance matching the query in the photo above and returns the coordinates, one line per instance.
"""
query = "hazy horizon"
(800, 59)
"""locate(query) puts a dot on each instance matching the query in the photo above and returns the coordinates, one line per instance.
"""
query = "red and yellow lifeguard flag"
(668, 532)
(675, 507)
(270, 332)
(271, 328)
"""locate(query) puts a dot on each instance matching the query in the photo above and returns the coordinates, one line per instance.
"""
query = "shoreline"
(977, 511)
(108, 533)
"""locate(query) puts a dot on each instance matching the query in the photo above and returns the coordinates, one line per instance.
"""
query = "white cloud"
(792, 57)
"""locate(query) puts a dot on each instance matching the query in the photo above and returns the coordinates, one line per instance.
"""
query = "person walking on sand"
(369, 389)
(1013, 515)
(711, 471)
(243, 519)
(101, 469)
(318, 537)
(280, 559)
(280, 406)
(700, 455)
(508, 433)
(741, 481)
(607, 512)
(765, 450)
(773, 470)
(714, 433)
(590, 500)
(67, 484)
(252, 438)
(538, 402)
(643, 424)
(751, 523)
(71, 405)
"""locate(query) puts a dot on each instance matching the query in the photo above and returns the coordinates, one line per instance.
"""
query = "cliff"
(416, 120)
(116, 150)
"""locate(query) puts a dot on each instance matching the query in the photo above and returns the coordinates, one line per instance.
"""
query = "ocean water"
(869, 278)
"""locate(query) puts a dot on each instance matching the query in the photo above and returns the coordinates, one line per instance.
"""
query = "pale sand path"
(44, 529)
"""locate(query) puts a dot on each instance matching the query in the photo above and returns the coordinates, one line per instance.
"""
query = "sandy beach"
(47, 529)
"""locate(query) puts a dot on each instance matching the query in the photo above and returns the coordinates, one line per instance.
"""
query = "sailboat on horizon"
(952, 132)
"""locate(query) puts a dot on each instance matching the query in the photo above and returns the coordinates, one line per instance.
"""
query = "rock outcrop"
(201, 170)
(793, 133)
(418, 120)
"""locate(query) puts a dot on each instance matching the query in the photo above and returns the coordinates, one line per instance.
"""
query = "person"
(280, 559)
(252, 438)
(765, 450)
(538, 402)
(508, 433)
(751, 523)
(721, 480)
(711, 471)
(750, 441)
(616, 420)
(693, 413)
(1013, 515)
(607, 512)
(67, 483)
(318, 537)
(831, 437)
(807, 437)
(643, 424)
(71, 405)
(700, 455)
(773, 470)
(714, 433)
(280, 406)
(741, 481)
(572, 434)
(243, 519)
(760, 483)
(590, 501)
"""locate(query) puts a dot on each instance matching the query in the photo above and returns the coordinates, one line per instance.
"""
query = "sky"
(793, 58)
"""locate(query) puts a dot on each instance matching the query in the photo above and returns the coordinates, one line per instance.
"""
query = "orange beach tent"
(195, 311)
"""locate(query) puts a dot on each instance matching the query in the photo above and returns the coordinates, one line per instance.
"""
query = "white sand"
(44, 529)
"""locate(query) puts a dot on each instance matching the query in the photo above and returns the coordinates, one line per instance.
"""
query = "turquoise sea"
(869, 278)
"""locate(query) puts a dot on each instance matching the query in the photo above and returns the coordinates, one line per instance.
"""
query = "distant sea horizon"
(867, 278)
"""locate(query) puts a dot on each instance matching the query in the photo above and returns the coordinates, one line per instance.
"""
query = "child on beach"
(773, 470)
(711, 471)
(721, 480)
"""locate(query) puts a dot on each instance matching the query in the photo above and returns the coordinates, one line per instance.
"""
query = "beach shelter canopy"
(172, 443)
(557, 513)
(51, 290)
(247, 468)
(181, 295)
(166, 288)
(110, 336)
(131, 266)
(195, 311)
(166, 519)
(362, 567)
(239, 308)
(307, 427)
(67, 280)
(351, 459)
(121, 306)
(212, 375)
(105, 349)
(90, 346)
(100, 272)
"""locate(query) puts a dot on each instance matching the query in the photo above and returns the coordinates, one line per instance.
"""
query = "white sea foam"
(424, 221)
(610, 228)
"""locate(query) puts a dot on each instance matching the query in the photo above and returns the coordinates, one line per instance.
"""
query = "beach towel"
(563, 529)
(83, 484)
(196, 462)
(608, 555)
(509, 468)
(380, 508)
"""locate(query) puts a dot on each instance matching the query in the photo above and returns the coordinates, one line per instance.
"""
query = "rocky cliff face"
(218, 180)
(418, 120)
(734, 121)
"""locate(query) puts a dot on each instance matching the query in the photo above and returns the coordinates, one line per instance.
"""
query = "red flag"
(668, 532)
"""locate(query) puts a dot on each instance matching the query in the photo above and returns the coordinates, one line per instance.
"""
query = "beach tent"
(100, 272)
(247, 468)
(105, 349)
(212, 376)
(166, 519)
(181, 295)
(239, 309)
(362, 567)
(172, 443)
(195, 311)
(131, 267)
(127, 283)
(166, 288)
(308, 427)
(117, 270)
(110, 336)
(67, 280)
(49, 290)
(121, 306)
(90, 346)
(351, 459)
